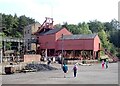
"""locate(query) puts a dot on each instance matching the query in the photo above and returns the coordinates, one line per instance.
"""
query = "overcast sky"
(71, 11)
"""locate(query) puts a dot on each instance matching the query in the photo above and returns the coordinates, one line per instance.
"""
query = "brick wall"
(30, 58)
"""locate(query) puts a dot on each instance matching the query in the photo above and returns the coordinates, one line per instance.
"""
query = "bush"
(118, 55)
(83, 62)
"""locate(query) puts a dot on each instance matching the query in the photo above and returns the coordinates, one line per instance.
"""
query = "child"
(103, 63)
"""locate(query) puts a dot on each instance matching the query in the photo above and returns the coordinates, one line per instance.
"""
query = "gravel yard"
(93, 74)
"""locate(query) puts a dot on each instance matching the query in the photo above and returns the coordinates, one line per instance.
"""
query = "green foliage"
(112, 48)
(8, 45)
(96, 26)
(57, 26)
(109, 26)
(72, 28)
(13, 25)
(103, 38)
(115, 38)
(102, 53)
(85, 29)
(118, 55)
(81, 28)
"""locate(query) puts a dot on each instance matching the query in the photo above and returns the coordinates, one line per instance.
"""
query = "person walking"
(106, 63)
(103, 63)
(65, 69)
(49, 61)
(75, 68)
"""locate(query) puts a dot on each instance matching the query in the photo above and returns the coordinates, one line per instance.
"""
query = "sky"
(71, 11)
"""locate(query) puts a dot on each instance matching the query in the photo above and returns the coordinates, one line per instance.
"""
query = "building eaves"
(81, 36)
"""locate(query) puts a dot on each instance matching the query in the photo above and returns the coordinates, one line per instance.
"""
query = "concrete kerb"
(80, 61)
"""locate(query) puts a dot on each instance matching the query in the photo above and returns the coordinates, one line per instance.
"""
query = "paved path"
(86, 75)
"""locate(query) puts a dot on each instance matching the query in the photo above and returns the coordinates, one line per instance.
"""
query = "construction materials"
(9, 70)
(39, 67)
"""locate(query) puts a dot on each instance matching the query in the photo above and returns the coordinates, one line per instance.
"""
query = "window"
(99, 45)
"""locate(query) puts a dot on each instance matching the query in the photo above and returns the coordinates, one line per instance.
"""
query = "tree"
(115, 38)
(103, 38)
(24, 21)
(96, 26)
(112, 48)
(72, 28)
(58, 26)
(108, 26)
(84, 29)
(115, 23)
(13, 26)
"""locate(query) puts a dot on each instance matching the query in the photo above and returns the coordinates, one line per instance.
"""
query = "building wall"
(63, 31)
(53, 42)
(31, 58)
(35, 27)
(80, 44)
(96, 43)
(47, 41)
(28, 30)
(27, 35)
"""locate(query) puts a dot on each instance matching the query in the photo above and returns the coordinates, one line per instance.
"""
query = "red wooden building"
(55, 41)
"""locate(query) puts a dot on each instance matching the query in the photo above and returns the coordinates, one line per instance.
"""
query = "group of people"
(65, 70)
(75, 68)
(105, 63)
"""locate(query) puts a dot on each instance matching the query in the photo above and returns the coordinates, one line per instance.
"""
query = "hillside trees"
(13, 26)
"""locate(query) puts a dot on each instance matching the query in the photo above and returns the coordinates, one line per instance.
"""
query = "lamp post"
(62, 59)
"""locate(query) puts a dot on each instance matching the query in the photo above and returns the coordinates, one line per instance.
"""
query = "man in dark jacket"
(65, 69)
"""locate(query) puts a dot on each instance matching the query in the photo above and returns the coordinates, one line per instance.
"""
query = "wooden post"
(46, 51)
(94, 54)
(46, 54)
(99, 54)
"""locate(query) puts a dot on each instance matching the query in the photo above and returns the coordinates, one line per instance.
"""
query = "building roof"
(81, 36)
(52, 31)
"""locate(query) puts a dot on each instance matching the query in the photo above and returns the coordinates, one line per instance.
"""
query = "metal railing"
(9, 39)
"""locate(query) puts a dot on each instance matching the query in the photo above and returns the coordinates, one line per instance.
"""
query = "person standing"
(59, 59)
(65, 69)
(75, 68)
